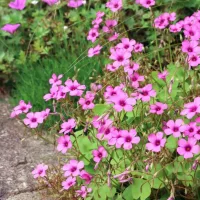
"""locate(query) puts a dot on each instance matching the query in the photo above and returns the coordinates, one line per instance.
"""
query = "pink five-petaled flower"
(21, 108)
(138, 47)
(126, 44)
(94, 51)
(123, 102)
(174, 127)
(73, 168)
(40, 171)
(75, 3)
(18, 4)
(55, 80)
(146, 93)
(158, 108)
(92, 35)
(135, 78)
(114, 5)
(131, 67)
(109, 25)
(64, 143)
(99, 154)
(188, 148)
(50, 2)
(68, 126)
(163, 75)
(45, 113)
(190, 129)
(10, 28)
(83, 191)
(120, 57)
(193, 60)
(74, 88)
(86, 102)
(128, 138)
(146, 3)
(71, 181)
(192, 108)
(33, 119)
(86, 176)
(156, 141)
(190, 47)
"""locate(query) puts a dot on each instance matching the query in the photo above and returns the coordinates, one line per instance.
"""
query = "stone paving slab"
(19, 154)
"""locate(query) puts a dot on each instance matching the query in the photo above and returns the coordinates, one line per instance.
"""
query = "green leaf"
(171, 143)
(145, 191)
(100, 109)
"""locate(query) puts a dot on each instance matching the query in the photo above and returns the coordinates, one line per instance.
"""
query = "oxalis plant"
(135, 133)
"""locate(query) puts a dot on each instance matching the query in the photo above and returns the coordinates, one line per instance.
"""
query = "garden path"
(19, 154)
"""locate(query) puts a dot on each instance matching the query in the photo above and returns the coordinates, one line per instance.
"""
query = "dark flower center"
(40, 171)
(148, 2)
(113, 93)
(175, 129)
(87, 102)
(194, 58)
(145, 93)
(93, 34)
(188, 148)
(66, 144)
(107, 131)
(193, 109)
(120, 58)
(116, 5)
(134, 78)
(128, 139)
(191, 130)
(158, 108)
(157, 142)
(73, 169)
(34, 120)
(126, 46)
(190, 49)
(73, 87)
(100, 155)
(122, 103)
(23, 108)
(191, 33)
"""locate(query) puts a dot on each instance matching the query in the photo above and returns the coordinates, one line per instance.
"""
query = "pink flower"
(111, 67)
(18, 4)
(32, 120)
(64, 143)
(21, 108)
(53, 93)
(111, 93)
(161, 22)
(75, 3)
(135, 78)
(98, 122)
(192, 108)
(73, 168)
(86, 102)
(127, 139)
(156, 141)
(86, 176)
(193, 60)
(191, 33)
(99, 154)
(68, 126)
(114, 5)
(92, 35)
(113, 37)
(188, 148)
(131, 67)
(83, 191)
(74, 88)
(109, 25)
(174, 127)
(40, 171)
(123, 102)
(10, 28)
(61, 93)
(120, 56)
(158, 108)
(115, 136)
(174, 28)
(105, 132)
(190, 47)
(50, 2)
(126, 44)
(146, 3)
(45, 113)
(55, 80)
(146, 93)
(197, 135)
(138, 47)
(94, 51)
(71, 181)
(190, 129)
(163, 75)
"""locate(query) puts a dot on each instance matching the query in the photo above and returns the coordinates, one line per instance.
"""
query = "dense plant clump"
(135, 133)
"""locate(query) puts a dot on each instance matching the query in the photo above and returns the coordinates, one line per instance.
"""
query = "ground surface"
(19, 154)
